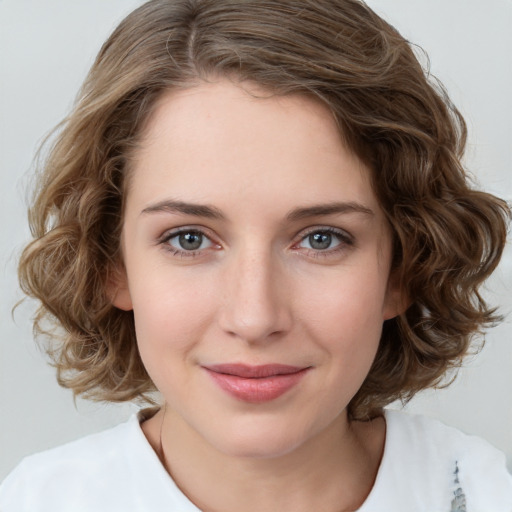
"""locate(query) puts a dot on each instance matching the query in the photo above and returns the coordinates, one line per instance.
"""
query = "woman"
(259, 210)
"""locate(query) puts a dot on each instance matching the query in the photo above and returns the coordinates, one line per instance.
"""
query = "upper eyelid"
(172, 232)
(303, 233)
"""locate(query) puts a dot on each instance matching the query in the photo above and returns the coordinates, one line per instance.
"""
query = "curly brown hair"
(448, 237)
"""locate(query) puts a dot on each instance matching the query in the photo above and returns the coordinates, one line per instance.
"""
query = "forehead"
(230, 142)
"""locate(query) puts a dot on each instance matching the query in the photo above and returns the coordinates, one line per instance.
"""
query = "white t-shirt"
(426, 466)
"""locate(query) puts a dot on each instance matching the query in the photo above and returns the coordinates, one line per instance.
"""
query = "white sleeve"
(484, 477)
(14, 491)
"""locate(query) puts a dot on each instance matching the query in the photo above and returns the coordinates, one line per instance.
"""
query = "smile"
(256, 384)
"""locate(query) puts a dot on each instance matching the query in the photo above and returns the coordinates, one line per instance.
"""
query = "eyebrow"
(198, 210)
(328, 209)
(211, 212)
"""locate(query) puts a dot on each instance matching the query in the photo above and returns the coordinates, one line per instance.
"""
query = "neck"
(333, 471)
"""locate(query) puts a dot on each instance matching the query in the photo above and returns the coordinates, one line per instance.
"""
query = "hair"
(447, 236)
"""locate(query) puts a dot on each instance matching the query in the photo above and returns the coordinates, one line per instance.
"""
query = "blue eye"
(320, 241)
(188, 241)
(325, 240)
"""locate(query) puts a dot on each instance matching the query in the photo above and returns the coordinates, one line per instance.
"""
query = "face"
(257, 266)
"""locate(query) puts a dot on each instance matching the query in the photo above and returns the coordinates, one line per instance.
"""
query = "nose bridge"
(255, 307)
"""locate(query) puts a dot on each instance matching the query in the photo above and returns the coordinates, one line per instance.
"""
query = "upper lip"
(254, 371)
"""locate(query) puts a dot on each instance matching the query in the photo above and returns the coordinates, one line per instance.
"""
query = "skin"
(258, 290)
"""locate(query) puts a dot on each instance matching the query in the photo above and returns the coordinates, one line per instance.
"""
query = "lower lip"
(257, 390)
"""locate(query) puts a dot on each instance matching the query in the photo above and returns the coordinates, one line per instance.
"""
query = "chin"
(259, 441)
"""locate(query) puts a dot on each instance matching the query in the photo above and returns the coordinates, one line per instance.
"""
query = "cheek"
(346, 313)
(171, 315)
(344, 320)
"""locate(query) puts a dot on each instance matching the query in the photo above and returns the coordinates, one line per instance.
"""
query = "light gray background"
(46, 48)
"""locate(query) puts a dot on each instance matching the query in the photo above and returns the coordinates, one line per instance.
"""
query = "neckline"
(375, 492)
(388, 415)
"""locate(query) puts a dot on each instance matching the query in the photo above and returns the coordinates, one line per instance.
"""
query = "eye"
(319, 241)
(325, 240)
(187, 241)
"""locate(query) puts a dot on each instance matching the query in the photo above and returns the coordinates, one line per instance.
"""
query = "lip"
(256, 384)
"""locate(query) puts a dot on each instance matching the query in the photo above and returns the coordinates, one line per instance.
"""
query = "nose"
(256, 307)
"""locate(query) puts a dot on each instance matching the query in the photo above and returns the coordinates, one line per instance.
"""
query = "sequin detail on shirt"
(459, 500)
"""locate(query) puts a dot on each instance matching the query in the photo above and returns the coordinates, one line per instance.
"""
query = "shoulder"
(444, 460)
(114, 470)
(430, 438)
(66, 473)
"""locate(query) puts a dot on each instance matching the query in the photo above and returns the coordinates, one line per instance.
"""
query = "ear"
(118, 290)
(396, 301)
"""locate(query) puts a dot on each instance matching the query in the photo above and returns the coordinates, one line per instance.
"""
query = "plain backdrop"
(46, 48)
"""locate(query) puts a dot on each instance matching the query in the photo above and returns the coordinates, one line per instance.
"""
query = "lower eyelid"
(182, 254)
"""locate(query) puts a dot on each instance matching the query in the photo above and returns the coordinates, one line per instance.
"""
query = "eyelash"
(345, 241)
(168, 236)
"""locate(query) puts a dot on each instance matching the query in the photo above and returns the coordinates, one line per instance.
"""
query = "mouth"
(256, 384)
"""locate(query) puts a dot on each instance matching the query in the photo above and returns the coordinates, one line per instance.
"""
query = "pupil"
(191, 241)
(320, 240)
